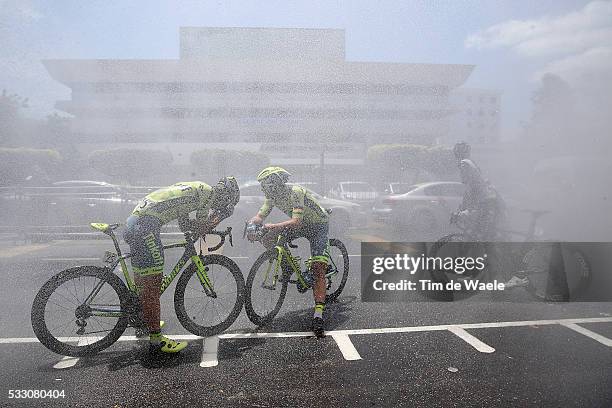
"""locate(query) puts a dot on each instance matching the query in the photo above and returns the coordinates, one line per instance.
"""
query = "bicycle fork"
(202, 273)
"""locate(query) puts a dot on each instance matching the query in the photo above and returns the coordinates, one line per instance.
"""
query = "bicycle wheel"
(266, 287)
(543, 274)
(60, 317)
(205, 314)
(337, 269)
(455, 246)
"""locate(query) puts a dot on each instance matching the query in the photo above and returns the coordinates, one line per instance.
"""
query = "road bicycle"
(272, 272)
(85, 309)
(537, 266)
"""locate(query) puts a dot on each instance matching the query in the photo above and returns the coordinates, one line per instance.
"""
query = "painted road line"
(346, 347)
(71, 259)
(595, 336)
(68, 361)
(471, 340)
(209, 352)
(409, 329)
(12, 252)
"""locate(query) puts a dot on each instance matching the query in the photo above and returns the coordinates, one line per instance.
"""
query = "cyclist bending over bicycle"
(212, 205)
(482, 208)
(308, 219)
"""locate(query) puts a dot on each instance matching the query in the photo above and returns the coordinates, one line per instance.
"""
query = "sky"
(511, 42)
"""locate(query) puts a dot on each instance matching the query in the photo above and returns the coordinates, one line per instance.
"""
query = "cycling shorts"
(318, 237)
(142, 234)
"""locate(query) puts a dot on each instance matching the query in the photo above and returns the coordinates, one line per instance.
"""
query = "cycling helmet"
(462, 150)
(273, 179)
(226, 193)
(274, 173)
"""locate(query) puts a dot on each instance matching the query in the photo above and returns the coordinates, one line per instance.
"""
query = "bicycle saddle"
(102, 227)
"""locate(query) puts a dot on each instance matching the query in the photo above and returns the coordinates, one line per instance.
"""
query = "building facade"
(288, 92)
(477, 116)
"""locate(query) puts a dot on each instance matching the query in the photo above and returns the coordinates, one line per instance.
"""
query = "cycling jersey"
(176, 201)
(478, 190)
(297, 203)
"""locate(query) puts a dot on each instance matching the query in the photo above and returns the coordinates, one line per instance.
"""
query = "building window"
(493, 113)
(493, 99)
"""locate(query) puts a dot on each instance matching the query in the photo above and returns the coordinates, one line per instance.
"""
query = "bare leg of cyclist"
(318, 291)
(149, 299)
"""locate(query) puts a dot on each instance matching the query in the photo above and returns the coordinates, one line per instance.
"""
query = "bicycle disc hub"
(82, 312)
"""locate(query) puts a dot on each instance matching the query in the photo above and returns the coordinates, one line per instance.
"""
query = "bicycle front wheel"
(266, 288)
(337, 269)
(66, 324)
(205, 312)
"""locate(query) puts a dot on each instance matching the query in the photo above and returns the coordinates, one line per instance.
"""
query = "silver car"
(425, 207)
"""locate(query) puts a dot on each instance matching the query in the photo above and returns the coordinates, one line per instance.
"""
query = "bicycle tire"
(575, 266)
(330, 297)
(179, 296)
(441, 276)
(55, 344)
(255, 317)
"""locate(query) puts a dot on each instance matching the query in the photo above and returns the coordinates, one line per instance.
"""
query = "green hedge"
(130, 165)
(16, 164)
(220, 162)
(397, 158)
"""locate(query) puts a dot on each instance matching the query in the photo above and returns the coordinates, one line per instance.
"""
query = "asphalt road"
(428, 354)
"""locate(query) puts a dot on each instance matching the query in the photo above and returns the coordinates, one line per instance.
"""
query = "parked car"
(358, 192)
(65, 203)
(425, 207)
(394, 188)
(251, 199)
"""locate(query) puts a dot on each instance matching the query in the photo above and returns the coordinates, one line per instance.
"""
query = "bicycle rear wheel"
(266, 288)
(337, 269)
(456, 246)
(60, 317)
(204, 313)
(566, 277)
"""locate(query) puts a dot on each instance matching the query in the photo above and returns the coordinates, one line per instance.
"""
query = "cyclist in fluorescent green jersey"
(176, 202)
(308, 219)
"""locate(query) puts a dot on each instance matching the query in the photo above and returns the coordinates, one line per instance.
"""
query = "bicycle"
(279, 265)
(96, 306)
(527, 262)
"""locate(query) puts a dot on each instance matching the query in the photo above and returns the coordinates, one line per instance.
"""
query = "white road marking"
(467, 326)
(211, 344)
(209, 352)
(71, 259)
(471, 340)
(346, 347)
(595, 336)
(67, 361)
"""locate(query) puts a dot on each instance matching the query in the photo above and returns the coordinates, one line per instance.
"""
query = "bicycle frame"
(190, 254)
(284, 252)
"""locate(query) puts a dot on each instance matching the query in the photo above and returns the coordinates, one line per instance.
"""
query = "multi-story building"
(287, 92)
(477, 116)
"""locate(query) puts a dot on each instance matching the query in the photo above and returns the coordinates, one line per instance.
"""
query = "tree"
(18, 164)
(552, 125)
(410, 161)
(11, 122)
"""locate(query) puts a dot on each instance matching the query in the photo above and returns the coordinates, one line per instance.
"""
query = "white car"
(358, 192)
